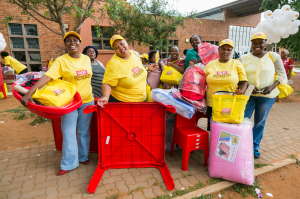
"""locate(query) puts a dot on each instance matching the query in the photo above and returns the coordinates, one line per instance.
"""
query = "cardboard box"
(9, 87)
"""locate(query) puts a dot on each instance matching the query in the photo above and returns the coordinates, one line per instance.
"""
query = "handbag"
(285, 90)
(170, 76)
(56, 93)
(228, 107)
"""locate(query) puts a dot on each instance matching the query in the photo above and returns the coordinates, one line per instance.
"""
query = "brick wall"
(51, 44)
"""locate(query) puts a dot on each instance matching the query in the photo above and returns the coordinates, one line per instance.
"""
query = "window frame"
(26, 49)
(101, 38)
(170, 44)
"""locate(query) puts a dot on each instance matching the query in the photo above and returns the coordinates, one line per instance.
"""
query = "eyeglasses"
(72, 40)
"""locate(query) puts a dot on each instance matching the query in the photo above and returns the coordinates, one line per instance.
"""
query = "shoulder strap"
(271, 57)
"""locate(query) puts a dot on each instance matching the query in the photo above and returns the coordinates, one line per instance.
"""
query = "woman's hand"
(25, 99)
(153, 67)
(102, 101)
(238, 92)
(289, 76)
(191, 63)
(267, 90)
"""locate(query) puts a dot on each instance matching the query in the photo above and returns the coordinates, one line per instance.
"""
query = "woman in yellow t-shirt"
(12, 62)
(125, 76)
(260, 67)
(224, 74)
(75, 68)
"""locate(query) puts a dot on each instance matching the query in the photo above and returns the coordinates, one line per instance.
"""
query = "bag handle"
(271, 57)
(233, 104)
(229, 85)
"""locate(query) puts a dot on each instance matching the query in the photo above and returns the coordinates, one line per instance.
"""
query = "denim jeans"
(75, 150)
(262, 107)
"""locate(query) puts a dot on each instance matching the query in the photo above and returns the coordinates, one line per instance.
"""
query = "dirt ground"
(19, 133)
(283, 183)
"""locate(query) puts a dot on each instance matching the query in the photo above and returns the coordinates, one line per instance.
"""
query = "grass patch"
(20, 116)
(39, 120)
(297, 93)
(297, 66)
(33, 141)
(134, 190)
(259, 165)
(155, 183)
(115, 196)
(293, 157)
(246, 190)
(209, 196)
(212, 181)
(20, 109)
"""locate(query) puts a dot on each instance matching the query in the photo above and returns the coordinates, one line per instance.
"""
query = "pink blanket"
(231, 152)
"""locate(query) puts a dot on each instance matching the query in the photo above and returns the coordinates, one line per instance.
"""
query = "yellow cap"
(114, 38)
(227, 41)
(259, 35)
(145, 56)
(72, 33)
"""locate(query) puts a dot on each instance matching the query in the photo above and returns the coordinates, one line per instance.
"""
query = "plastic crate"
(131, 135)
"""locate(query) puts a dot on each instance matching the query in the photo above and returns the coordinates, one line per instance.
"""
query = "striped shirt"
(97, 78)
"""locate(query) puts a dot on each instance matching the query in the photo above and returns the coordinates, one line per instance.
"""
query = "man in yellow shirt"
(12, 62)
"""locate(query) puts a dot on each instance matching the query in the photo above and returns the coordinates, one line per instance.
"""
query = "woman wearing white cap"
(75, 68)
(260, 67)
(224, 74)
(125, 76)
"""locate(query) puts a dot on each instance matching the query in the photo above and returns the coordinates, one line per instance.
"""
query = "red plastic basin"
(51, 112)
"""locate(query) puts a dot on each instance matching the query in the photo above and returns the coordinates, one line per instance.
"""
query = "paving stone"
(3, 194)
(127, 196)
(137, 195)
(46, 184)
(143, 177)
(135, 172)
(151, 181)
(129, 180)
(78, 182)
(32, 194)
(14, 193)
(6, 179)
(51, 192)
(110, 186)
(62, 183)
(139, 184)
(158, 176)
(28, 185)
(157, 190)
(69, 191)
(185, 182)
(40, 177)
(86, 174)
(116, 172)
(76, 196)
(148, 170)
(121, 186)
(112, 179)
(23, 178)
(7, 172)
(192, 180)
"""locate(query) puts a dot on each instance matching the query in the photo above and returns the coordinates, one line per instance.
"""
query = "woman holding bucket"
(224, 74)
(75, 68)
(260, 67)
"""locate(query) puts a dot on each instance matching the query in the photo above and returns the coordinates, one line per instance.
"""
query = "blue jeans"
(262, 107)
(72, 153)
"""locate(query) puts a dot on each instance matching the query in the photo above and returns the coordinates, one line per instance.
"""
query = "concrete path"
(31, 172)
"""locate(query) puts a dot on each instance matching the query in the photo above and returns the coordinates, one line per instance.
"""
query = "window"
(25, 45)
(169, 44)
(240, 35)
(212, 42)
(101, 43)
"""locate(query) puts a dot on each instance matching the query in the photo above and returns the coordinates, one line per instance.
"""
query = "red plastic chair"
(2, 88)
(190, 138)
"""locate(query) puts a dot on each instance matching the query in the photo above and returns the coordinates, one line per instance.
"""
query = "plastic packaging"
(26, 77)
(231, 152)
(199, 105)
(165, 97)
(193, 83)
(208, 52)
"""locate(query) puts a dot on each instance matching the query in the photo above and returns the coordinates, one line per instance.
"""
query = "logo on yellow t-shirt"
(59, 91)
(82, 75)
(222, 74)
(137, 72)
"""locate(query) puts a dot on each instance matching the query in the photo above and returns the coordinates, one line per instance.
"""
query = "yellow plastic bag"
(148, 92)
(1, 94)
(56, 93)
(170, 76)
(293, 73)
(229, 108)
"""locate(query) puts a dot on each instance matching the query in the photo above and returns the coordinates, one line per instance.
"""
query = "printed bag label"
(227, 146)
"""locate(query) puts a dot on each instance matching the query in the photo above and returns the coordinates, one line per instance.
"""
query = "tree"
(55, 10)
(291, 43)
(149, 22)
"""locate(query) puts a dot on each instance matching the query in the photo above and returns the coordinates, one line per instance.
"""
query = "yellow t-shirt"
(76, 71)
(223, 77)
(15, 64)
(127, 77)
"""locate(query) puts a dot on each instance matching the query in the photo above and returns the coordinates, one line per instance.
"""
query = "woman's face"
(144, 62)
(283, 55)
(72, 43)
(153, 58)
(174, 52)
(195, 41)
(258, 46)
(91, 53)
(121, 48)
(224, 52)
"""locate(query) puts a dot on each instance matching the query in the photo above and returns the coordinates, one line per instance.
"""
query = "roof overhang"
(240, 7)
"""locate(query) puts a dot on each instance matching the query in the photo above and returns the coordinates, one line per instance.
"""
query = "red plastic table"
(131, 135)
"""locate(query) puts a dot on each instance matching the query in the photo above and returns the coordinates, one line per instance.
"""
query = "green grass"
(209, 196)
(134, 190)
(212, 181)
(297, 66)
(293, 157)
(20, 109)
(259, 165)
(20, 116)
(246, 190)
(39, 120)
(115, 196)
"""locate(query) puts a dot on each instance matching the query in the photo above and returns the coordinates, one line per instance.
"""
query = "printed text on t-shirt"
(222, 74)
(137, 72)
(82, 75)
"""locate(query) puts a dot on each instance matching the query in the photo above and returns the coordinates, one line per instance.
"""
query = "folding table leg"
(95, 180)
(167, 177)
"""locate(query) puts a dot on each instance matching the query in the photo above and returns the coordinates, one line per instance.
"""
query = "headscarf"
(86, 48)
(286, 52)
